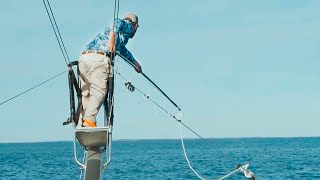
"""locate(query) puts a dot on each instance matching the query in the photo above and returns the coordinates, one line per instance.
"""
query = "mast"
(95, 142)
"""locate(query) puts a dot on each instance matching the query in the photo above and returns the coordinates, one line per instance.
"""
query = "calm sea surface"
(269, 158)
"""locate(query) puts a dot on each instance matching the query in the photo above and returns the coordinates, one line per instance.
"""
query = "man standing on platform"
(95, 64)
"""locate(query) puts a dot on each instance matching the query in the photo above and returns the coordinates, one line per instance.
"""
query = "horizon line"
(128, 139)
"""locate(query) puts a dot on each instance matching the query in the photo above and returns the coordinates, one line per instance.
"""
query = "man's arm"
(119, 25)
(138, 67)
(111, 43)
(127, 54)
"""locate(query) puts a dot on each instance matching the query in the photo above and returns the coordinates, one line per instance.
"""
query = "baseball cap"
(132, 17)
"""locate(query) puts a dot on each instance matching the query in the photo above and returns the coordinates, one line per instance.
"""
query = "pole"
(144, 75)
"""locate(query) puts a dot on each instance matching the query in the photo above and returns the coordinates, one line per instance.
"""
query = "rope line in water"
(185, 155)
(232, 172)
(192, 169)
(180, 129)
(177, 120)
(32, 88)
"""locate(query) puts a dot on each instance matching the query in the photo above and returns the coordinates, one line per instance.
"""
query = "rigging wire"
(116, 9)
(56, 29)
(62, 48)
(157, 104)
(190, 129)
(32, 88)
(115, 16)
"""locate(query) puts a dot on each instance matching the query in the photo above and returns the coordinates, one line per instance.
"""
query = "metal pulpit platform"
(95, 142)
(90, 137)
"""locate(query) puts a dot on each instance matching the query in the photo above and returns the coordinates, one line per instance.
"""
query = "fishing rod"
(160, 90)
(144, 75)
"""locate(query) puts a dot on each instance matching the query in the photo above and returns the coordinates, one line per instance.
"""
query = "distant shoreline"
(173, 139)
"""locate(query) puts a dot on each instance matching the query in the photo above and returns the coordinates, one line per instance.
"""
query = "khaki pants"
(95, 69)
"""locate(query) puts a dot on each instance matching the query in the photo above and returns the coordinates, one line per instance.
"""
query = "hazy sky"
(236, 68)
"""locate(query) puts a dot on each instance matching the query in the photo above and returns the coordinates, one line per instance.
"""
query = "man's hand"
(111, 43)
(137, 67)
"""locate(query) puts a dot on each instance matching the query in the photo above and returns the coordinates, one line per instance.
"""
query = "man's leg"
(85, 87)
(98, 87)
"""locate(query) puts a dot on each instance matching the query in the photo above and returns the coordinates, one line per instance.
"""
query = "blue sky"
(236, 68)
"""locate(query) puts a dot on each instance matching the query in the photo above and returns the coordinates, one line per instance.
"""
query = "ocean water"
(269, 158)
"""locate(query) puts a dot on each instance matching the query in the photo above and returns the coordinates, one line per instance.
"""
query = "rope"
(59, 38)
(154, 102)
(192, 169)
(185, 155)
(178, 121)
(32, 88)
(232, 172)
(132, 88)
(181, 137)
